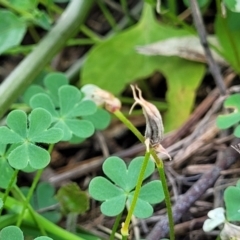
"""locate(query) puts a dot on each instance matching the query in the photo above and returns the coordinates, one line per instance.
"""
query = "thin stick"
(213, 67)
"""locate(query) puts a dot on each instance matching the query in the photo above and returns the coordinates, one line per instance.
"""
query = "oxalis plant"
(55, 112)
(58, 112)
(123, 188)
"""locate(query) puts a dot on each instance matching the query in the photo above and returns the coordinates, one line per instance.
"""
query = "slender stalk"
(24, 74)
(29, 207)
(115, 226)
(7, 191)
(89, 33)
(129, 125)
(172, 6)
(30, 193)
(125, 227)
(108, 15)
(160, 167)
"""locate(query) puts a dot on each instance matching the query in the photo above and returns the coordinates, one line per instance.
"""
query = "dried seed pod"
(101, 97)
(154, 126)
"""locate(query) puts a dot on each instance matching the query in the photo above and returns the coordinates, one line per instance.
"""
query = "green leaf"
(42, 19)
(181, 90)
(53, 81)
(11, 233)
(116, 170)
(6, 173)
(42, 100)
(229, 120)
(43, 238)
(81, 128)
(152, 192)
(228, 36)
(101, 189)
(8, 136)
(24, 4)
(32, 91)
(142, 209)
(72, 199)
(1, 203)
(231, 198)
(114, 206)
(17, 121)
(12, 30)
(233, 5)
(100, 119)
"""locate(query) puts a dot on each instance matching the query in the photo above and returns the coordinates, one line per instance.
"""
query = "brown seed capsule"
(154, 126)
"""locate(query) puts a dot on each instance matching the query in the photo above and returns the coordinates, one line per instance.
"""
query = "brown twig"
(213, 67)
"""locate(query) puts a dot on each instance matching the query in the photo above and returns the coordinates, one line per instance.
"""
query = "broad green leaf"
(72, 199)
(113, 206)
(12, 30)
(233, 5)
(101, 189)
(25, 5)
(229, 40)
(84, 108)
(32, 91)
(11, 233)
(231, 198)
(181, 90)
(51, 135)
(17, 121)
(124, 65)
(100, 119)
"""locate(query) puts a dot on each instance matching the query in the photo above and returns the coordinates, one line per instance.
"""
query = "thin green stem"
(89, 33)
(115, 226)
(29, 207)
(160, 167)
(30, 193)
(125, 227)
(7, 191)
(108, 15)
(172, 6)
(129, 125)
(32, 189)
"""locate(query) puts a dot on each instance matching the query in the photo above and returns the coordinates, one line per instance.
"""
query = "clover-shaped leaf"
(44, 198)
(115, 194)
(216, 218)
(11, 233)
(6, 171)
(66, 112)
(231, 198)
(229, 120)
(15, 233)
(26, 131)
(52, 82)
